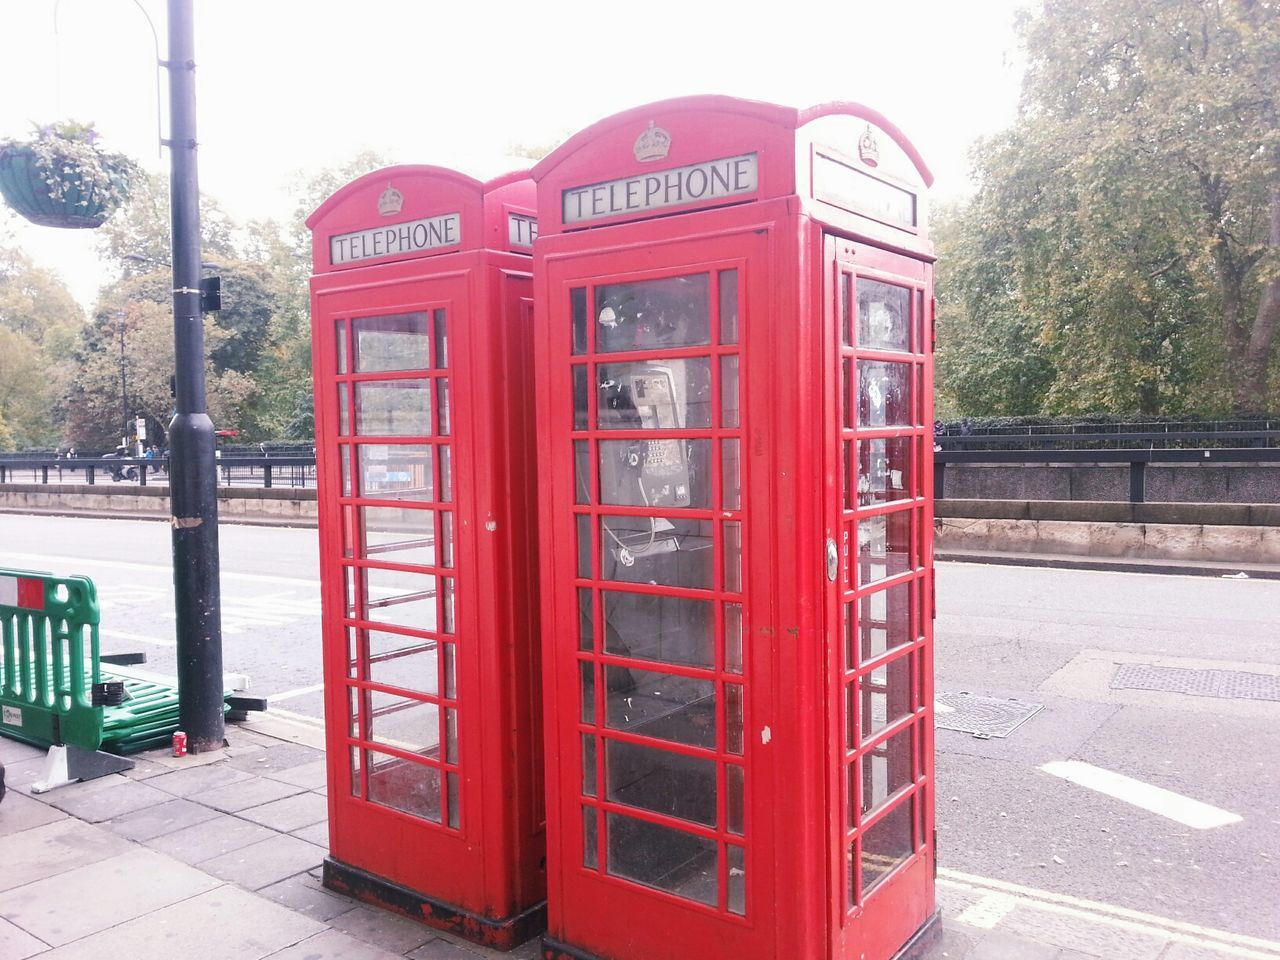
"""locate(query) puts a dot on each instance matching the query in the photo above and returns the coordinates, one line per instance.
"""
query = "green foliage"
(1123, 248)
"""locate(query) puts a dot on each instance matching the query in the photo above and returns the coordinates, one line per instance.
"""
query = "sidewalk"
(216, 857)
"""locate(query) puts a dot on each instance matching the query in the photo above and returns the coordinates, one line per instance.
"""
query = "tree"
(1140, 191)
(137, 238)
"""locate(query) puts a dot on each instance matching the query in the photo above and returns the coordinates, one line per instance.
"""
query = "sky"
(286, 88)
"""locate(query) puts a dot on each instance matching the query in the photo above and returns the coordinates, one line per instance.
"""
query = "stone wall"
(277, 505)
(1168, 483)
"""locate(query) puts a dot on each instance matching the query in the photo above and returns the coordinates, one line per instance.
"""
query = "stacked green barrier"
(49, 659)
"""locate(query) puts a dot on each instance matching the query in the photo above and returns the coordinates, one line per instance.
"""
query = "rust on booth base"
(505, 934)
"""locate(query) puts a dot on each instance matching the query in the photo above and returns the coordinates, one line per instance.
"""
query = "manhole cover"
(984, 717)
(1228, 684)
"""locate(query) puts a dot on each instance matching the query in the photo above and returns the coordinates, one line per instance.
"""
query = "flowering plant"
(61, 177)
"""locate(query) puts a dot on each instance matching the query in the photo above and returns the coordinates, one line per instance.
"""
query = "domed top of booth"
(411, 211)
(846, 162)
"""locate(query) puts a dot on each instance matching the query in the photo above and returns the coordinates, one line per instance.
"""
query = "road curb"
(1185, 569)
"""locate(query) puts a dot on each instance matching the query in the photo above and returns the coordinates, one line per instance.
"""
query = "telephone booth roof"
(417, 210)
(847, 162)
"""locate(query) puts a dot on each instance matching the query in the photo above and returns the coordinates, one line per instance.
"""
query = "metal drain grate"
(1227, 684)
(984, 717)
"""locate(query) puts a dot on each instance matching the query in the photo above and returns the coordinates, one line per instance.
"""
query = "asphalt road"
(1049, 637)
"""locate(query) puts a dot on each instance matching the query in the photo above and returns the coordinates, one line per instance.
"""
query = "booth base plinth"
(502, 934)
(914, 949)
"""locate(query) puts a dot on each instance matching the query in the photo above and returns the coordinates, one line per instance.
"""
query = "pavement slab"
(286, 756)
(225, 923)
(291, 813)
(156, 821)
(311, 775)
(55, 848)
(1112, 941)
(15, 751)
(19, 813)
(332, 945)
(243, 794)
(440, 949)
(88, 899)
(317, 833)
(265, 863)
(383, 929)
(307, 896)
(221, 835)
(196, 780)
(120, 798)
(17, 944)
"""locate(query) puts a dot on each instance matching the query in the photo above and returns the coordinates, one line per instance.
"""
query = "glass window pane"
(395, 471)
(652, 627)
(401, 661)
(884, 316)
(884, 470)
(884, 394)
(447, 596)
(588, 765)
(450, 671)
(583, 523)
(446, 538)
(590, 840)
(393, 408)
(588, 672)
(578, 318)
(735, 801)
(737, 880)
(885, 770)
(397, 342)
(729, 392)
(730, 475)
(442, 406)
(884, 546)
(451, 736)
(355, 770)
(586, 620)
(340, 341)
(661, 857)
(344, 412)
(581, 413)
(409, 725)
(412, 788)
(582, 471)
(728, 306)
(846, 406)
(344, 460)
(653, 314)
(661, 705)
(655, 394)
(733, 637)
(846, 311)
(884, 620)
(442, 340)
(660, 550)
(349, 538)
(733, 718)
(445, 452)
(661, 781)
(455, 806)
(733, 556)
(399, 534)
(886, 696)
(887, 844)
(396, 597)
(655, 473)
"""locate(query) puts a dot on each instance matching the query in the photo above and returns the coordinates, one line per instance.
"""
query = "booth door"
(880, 596)
(660, 798)
(400, 665)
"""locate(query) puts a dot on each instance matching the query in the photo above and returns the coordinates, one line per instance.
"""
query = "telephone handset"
(664, 472)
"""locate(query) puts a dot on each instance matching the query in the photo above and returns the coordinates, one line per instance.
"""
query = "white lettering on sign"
(11, 716)
(521, 231)
(397, 238)
(719, 180)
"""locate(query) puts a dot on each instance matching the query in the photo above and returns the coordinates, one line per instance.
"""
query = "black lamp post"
(192, 463)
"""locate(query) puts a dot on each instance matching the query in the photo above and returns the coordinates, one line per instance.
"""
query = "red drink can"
(179, 743)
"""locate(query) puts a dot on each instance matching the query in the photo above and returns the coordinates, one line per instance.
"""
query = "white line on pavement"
(1166, 803)
(987, 913)
(137, 638)
(290, 694)
(1232, 944)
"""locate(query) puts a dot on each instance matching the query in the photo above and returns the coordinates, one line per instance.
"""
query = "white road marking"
(137, 638)
(940, 707)
(1231, 944)
(987, 913)
(49, 560)
(1166, 803)
(290, 694)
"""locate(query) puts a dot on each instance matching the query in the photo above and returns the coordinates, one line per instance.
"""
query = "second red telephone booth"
(735, 360)
(421, 317)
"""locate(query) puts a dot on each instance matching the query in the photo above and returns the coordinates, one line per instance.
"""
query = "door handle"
(833, 560)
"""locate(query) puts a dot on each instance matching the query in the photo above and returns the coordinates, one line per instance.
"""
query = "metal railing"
(259, 471)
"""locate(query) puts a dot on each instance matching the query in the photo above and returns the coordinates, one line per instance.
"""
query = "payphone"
(734, 352)
(421, 319)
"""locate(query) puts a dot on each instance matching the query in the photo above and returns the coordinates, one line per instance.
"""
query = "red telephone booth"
(422, 317)
(734, 358)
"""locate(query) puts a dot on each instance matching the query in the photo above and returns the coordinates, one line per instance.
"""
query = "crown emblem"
(390, 202)
(653, 144)
(868, 149)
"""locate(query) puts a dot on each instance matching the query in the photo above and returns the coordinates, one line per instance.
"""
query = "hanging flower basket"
(61, 178)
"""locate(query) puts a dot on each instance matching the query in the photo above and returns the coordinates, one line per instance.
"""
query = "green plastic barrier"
(49, 659)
